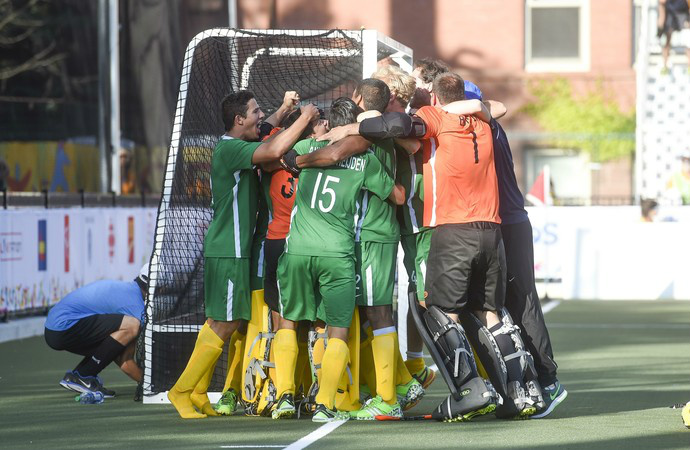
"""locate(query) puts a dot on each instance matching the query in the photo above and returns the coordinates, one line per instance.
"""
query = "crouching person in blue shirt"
(101, 322)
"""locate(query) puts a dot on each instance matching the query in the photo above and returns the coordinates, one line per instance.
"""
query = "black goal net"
(320, 66)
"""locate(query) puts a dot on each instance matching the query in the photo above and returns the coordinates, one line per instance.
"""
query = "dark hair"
(375, 94)
(647, 205)
(292, 118)
(235, 105)
(343, 111)
(430, 69)
(449, 87)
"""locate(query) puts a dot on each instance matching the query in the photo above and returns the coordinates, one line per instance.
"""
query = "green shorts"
(227, 289)
(257, 267)
(375, 272)
(308, 284)
(416, 249)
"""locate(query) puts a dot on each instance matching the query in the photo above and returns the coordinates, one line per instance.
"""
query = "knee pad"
(258, 393)
(517, 394)
(447, 344)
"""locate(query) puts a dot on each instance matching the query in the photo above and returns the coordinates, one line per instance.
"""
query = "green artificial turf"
(623, 364)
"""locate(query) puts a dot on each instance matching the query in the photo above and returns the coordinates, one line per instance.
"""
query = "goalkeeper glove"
(289, 162)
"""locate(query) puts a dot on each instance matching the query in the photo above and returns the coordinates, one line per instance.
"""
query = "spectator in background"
(127, 173)
(649, 209)
(673, 16)
(4, 174)
(678, 187)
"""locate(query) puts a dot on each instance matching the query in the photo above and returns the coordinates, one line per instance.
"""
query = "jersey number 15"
(325, 191)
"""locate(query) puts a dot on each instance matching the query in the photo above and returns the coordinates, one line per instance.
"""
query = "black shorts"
(273, 248)
(466, 267)
(86, 335)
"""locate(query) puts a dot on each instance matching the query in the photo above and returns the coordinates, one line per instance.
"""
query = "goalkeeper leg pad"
(521, 396)
(258, 394)
(447, 345)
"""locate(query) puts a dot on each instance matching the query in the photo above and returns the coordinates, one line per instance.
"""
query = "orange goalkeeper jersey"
(460, 183)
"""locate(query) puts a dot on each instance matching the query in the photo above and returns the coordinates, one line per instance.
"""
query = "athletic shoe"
(377, 407)
(554, 394)
(409, 394)
(426, 376)
(364, 393)
(227, 404)
(73, 381)
(686, 415)
(322, 414)
(285, 409)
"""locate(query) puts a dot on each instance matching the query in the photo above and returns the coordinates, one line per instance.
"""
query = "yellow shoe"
(686, 415)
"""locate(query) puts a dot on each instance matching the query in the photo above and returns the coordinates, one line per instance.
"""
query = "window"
(557, 35)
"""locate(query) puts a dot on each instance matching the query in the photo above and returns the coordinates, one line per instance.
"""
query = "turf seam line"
(550, 306)
(315, 435)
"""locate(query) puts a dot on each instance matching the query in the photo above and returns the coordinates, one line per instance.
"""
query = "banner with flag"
(540, 193)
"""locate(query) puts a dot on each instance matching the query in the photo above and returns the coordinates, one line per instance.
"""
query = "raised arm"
(469, 108)
(390, 125)
(290, 102)
(275, 148)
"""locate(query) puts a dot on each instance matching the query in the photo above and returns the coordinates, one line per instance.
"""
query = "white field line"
(315, 435)
(622, 326)
(550, 306)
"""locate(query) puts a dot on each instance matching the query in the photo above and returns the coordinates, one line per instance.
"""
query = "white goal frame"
(374, 45)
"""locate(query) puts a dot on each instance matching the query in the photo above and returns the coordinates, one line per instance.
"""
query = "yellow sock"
(207, 349)
(233, 380)
(402, 375)
(317, 353)
(286, 349)
(335, 360)
(383, 349)
(367, 371)
(415, 365)
(302, 362)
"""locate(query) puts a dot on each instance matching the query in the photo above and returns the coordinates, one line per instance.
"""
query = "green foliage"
(592, 123)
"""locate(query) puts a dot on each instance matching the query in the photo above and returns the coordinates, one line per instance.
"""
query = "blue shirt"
(100, 297)
(511, 205)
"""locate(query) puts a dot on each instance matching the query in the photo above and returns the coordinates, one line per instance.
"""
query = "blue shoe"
(554, 394)
(73, 381)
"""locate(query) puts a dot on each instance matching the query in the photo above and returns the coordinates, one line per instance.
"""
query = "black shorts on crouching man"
(85, 335)
(466, 267)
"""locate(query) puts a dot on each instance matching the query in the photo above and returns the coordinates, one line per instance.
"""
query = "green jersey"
(234, 199)
(377, 222)
(410, 176)
(323, 217)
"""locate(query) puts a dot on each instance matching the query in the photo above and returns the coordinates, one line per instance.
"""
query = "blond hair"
(401, 84)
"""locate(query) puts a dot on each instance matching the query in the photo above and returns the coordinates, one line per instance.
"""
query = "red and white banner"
(46, 253)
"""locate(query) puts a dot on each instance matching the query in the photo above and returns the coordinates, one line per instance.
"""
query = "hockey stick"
(404, 418)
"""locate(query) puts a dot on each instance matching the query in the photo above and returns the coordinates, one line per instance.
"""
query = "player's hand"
(338, 133)
(290, 100)
(310, 112)
(289, 162)
(397, 195)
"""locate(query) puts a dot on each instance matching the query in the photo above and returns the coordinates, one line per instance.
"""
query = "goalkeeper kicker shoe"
(227, 404)
(285, 408)
(476, 400)
(409, 394)
(377, 407)
(554, 394)
(322, 414)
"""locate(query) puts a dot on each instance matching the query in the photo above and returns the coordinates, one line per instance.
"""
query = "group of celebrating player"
(308, 216)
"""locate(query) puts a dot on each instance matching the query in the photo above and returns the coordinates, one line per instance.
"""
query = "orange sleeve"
(432, 118)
